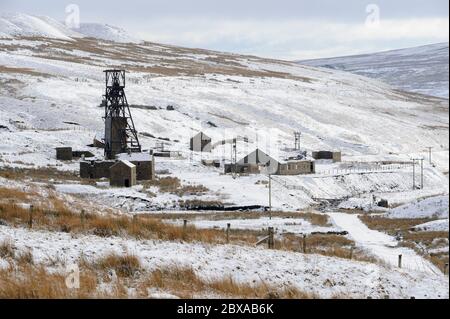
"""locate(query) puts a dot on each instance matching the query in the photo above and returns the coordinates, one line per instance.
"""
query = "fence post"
(228, 233)
(270, 241)
(446, 269)
(304, 243)
(30, 221)
(400, 261)
(82, 217)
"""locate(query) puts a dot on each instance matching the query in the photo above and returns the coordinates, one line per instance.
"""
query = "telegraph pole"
(297, 136)
(235, 155)
(421, 173)
(430, 149)
(270, 197)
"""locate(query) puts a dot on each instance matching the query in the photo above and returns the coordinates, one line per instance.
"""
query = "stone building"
(201, 143)
(296, 167)
(67, 154)
(144, 162)
(123, 174)
(327, 155)
(64, 153)
(259, 162)
(95, 169)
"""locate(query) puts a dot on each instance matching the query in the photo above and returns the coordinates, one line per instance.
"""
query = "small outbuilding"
(123, 174)
(201, 143)
(144, 162)
(327, 155)
(64, 153)
(258, 162)
(95, 169)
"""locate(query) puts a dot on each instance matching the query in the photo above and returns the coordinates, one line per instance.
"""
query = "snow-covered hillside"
(105, 32)
(51, 88)
(19, 24)
(433, 207)
(421, 69)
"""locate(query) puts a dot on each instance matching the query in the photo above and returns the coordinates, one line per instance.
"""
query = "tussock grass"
(184, 282)
(29, 282)
(7, 249)
(42, 174)
(125, 266)
(314, 218)
(326, 245)
(55, 215)
(173, 185)
(391, 225)
(35, 282)
(61, 218)
(421, 242)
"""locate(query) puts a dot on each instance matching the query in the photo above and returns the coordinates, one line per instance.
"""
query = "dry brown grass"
(325, 245)
(35, 282)
(184, 282)
(43, 174)
(55, 215)
(421, 242)
(173, 185)
(125, 266)
(7, 249)
(391, 225)
(5, 69)
(13, 194)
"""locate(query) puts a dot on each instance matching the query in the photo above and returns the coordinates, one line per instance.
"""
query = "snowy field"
(312, 273)
(433, 207)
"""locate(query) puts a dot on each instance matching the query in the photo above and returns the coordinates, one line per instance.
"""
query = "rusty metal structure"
(120, 133)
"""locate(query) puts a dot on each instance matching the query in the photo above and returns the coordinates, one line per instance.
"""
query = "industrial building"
(327, 155)
(120, 133)
(201, 143)
(123, 174)
(95, 169)
(67, 154)
(258, 161)
(144, 162)
(125, 162)
(64, 153)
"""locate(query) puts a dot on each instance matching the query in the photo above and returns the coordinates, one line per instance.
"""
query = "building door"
(127, 182)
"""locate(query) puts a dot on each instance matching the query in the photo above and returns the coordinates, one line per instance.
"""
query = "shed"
(64, 153)
(144, 162)
(123, 174)
(201, 143)
(95, 169)
(335, 156)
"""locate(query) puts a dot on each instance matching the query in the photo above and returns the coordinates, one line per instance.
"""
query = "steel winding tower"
(120, 133)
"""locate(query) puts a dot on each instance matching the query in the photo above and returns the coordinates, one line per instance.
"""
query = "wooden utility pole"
(270, 240)
(304, 243)
(430, 149)
(30, 221)
(270, 197)
(421, 173)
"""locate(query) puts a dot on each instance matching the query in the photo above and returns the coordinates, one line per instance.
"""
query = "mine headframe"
(120, 132)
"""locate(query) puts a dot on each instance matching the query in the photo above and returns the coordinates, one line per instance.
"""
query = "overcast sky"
(287, 29)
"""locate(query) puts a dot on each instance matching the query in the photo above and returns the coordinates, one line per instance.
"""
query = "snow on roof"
(134, 157)
(127, 163)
